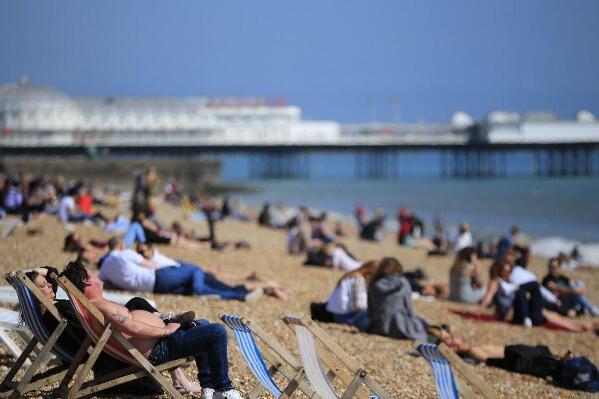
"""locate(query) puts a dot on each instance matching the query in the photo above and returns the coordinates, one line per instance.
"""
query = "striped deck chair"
(10, 321)
(30, 297)
(105, 337)
(314, 362)
(441, 359)
(276, 355)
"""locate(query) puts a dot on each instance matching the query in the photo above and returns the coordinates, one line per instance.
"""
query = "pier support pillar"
(376, 164)
(279, 165)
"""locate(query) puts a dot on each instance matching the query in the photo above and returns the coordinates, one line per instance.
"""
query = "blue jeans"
(135, 233)
(189, 279)
(207, 343)
(358, 318)
(213, 286)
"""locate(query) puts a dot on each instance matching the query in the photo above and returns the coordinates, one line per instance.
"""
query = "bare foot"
(277, 292)
(252, 276)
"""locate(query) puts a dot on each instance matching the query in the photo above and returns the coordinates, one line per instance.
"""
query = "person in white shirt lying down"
(128, 270)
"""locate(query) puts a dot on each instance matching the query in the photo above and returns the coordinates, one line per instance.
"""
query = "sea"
(556, 213)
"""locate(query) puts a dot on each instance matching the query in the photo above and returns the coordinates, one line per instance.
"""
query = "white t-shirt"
(122, 269)
(464, 240)
(349, 296)
(343, 261)
(67, 204)
(520, 275)
(161, 260)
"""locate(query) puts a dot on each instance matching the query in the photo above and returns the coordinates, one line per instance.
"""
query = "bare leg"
(182, 383)
(181, 242)
(270, 288)
(568, 324)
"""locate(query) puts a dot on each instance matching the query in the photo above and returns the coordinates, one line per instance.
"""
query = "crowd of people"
(374, 296)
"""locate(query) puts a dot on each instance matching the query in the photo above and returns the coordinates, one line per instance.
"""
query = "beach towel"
(464, 314)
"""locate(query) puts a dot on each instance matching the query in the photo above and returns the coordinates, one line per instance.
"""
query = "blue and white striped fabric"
(442, 373)
(251, 353)
(34, 319)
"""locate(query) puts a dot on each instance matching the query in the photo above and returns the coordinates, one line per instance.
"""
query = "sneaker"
(208, 393)
(528, 322)
(230, 394)
(254, 296)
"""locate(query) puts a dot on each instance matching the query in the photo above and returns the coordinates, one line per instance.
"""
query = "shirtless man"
(160, 343)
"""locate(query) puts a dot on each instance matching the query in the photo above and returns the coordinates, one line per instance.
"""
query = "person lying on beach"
(72, 337)
(335, 256)
(425, 289)
(523, 304)
(563, 369)
(144, 230)
(160, 342)
(213, 286)
(90, 251)
(128, 270)
(178, 229)
(572, 261)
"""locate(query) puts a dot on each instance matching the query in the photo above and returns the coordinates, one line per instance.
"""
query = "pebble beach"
(390, 362)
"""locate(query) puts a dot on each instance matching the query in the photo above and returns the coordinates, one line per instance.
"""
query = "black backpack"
(319, 312)
(580, 373)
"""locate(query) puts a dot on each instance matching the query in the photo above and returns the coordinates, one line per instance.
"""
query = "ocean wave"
(550, 247)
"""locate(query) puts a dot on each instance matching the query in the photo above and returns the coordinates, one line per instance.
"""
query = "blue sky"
(332, 58)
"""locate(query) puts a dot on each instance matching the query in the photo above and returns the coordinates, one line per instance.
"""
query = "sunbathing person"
(434, 290)
(160, 342)
(211, 276)
(523, 304)
(90, 252)
(336, 256)
(143, 230)
(128, 270)
(562, 368)
(178, 229)
(72, 337)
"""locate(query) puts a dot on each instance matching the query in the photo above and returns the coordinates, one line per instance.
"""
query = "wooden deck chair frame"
(9, 322)
(465, 378)
(277, 357)
(33, 380)
(339, 362)
(141, 367)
